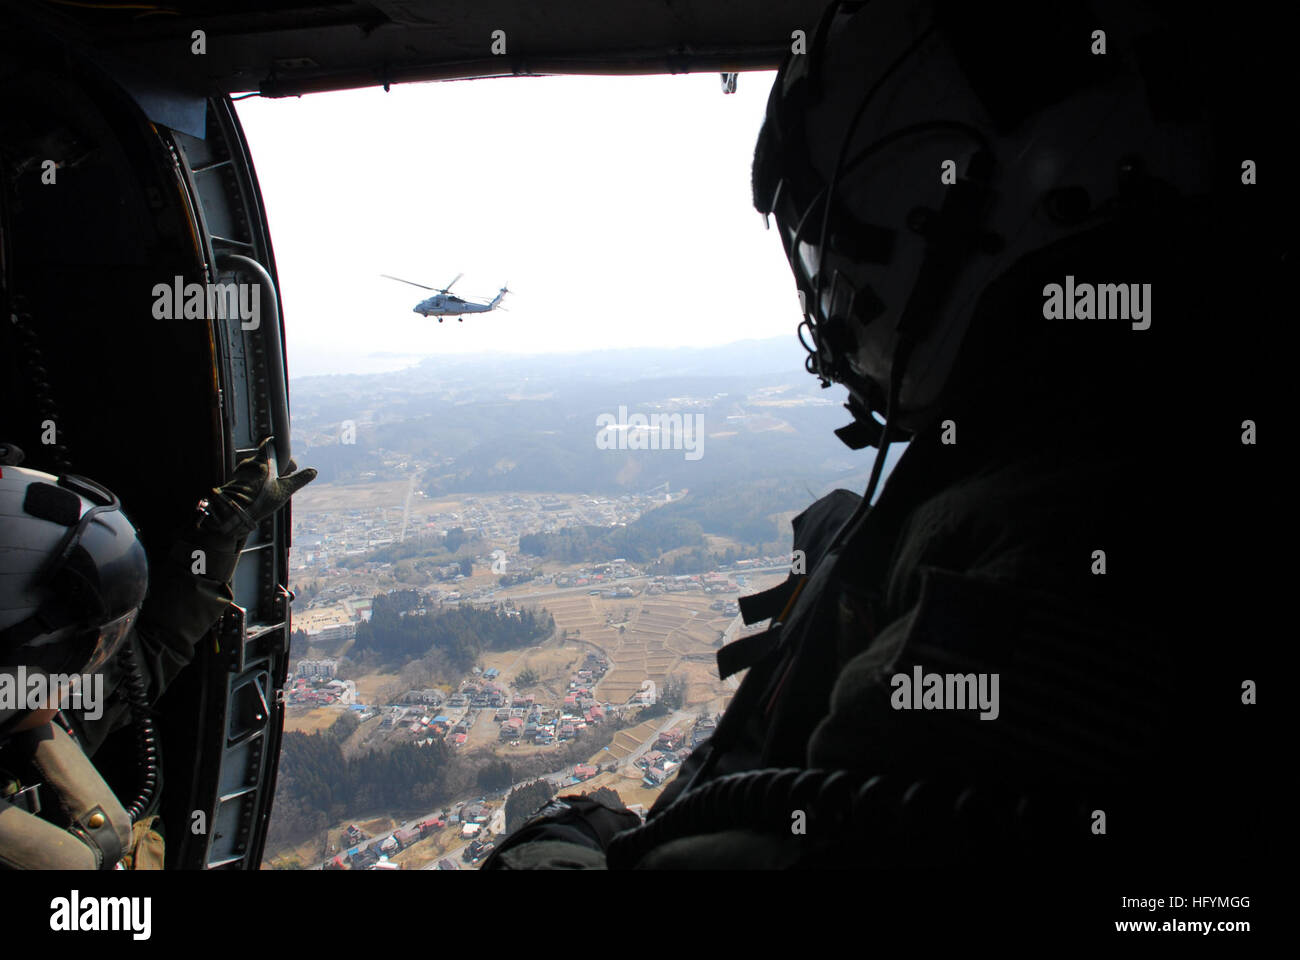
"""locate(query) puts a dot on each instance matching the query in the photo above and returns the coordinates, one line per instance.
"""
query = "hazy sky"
(617, 208)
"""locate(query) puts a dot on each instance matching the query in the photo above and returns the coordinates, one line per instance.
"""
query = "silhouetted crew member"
(1013, 232)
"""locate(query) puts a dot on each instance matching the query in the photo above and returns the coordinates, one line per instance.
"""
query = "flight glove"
(569, 832)
(250, 496)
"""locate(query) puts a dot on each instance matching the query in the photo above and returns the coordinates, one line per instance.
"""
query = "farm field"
(645, 637)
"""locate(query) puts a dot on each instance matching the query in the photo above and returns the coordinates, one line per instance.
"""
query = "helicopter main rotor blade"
(412, 283)
(450, 285)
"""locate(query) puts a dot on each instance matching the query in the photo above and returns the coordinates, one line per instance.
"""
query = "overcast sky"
(617, 208)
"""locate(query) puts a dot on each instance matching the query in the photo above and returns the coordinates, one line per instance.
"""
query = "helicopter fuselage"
(444, 305)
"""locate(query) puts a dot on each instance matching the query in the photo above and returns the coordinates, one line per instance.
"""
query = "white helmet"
(72, 576)
(919, 151)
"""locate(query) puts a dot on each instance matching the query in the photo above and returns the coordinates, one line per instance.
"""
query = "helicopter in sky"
(444, 304)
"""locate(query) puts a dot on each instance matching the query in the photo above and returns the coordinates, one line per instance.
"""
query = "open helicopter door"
(103, 203)
(239, 704)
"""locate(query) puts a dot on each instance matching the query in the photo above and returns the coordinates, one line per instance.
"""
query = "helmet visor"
(77, 650)
(109, 641)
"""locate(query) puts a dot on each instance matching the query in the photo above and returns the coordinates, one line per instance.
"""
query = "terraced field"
(649, 638)
(627, 741)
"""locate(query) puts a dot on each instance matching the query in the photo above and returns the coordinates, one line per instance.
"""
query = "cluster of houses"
(717, 583)
(668, 753)
(481, 693)
(478, 848)
(324, 669)
(442, 727)
(709, 583)
(375, 856)
(311, 692)
(353, 835)
(432, 715)
(671, 749)
(543, 726)
(601, 576)
(471, 817)
(593, 668)
(704, 728)
(527, 720)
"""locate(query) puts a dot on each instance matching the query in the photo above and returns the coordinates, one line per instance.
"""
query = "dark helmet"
(72, 576)
(919, 151)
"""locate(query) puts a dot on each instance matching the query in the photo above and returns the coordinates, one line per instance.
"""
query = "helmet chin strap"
(902, 351)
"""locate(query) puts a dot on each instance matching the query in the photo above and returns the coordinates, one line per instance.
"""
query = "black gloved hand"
(253, 494)
(588, 821)
(597, 815)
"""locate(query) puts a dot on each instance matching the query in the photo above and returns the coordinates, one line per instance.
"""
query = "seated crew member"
(934, 173)
(78, 598)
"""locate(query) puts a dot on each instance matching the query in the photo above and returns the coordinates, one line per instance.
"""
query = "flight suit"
(1037, 547)
(178, 610)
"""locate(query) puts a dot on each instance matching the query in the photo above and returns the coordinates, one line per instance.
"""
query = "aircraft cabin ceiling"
(288, 47)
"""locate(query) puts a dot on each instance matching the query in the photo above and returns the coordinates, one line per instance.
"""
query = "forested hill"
(402, 628)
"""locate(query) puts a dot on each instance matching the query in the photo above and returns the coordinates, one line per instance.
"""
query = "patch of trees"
(495, 775)
(402, 629)
(672, 696)
(344, 726)
(425, 552)
(526, 800)
(673, 692)
(744, 512)
(647, 537)
(607, 796)
(317, 785)
(527, 677)
(698, 560)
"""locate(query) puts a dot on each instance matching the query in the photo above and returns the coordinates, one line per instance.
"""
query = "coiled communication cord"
(146, 740)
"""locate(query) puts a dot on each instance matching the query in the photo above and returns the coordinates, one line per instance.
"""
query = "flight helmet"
(73, 575)
(917, 152)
